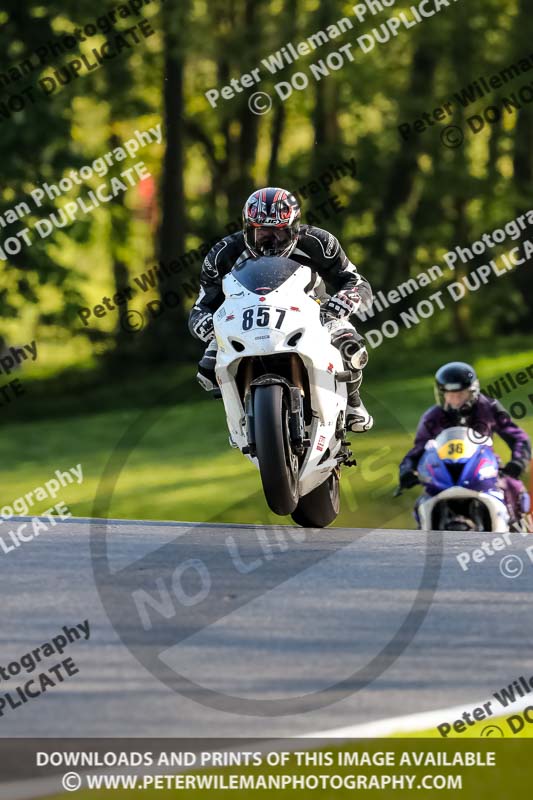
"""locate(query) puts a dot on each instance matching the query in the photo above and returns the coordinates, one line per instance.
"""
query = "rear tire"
(319, 508)
(278, 465)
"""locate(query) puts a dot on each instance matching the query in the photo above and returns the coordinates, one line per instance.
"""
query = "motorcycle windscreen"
(443, 465)
(457, 445)
(263, 275)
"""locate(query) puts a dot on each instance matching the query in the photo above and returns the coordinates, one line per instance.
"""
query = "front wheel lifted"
(319, 508)
(278, 465)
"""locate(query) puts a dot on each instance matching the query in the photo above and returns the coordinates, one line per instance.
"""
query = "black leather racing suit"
(315, 248)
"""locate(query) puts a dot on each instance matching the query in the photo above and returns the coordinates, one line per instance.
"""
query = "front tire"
(319, 508)
(278, 465)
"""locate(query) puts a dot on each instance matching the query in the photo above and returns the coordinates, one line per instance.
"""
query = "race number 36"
(259, 317)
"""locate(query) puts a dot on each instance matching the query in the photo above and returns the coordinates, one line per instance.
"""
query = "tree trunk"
(120, 234)
(241, 180)
(168, 338)
(404, 169)
(523, 160)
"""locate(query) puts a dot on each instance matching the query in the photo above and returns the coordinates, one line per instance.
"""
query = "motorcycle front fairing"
(458, 457)
(276, 318)
(433, 473)
(494, 503)
(461, 464)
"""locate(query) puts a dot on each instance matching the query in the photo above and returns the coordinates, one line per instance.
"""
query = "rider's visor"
(272, 241)
(456, 400)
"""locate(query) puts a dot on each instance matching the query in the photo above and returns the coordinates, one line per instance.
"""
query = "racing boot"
(352, 348)
(206, 376)
(358, 419)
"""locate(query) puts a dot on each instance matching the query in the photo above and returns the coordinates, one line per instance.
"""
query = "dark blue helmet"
(457, 376)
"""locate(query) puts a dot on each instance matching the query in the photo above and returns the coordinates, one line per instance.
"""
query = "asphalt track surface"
(280, 613)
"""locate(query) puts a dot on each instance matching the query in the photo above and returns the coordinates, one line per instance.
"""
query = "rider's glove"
(513, 469)
(343, 304)
(408, 478)
(203, 327)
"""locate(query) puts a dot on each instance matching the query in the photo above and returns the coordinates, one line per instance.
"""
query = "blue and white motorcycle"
(459, 471)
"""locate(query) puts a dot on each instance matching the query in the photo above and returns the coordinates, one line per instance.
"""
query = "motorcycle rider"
(460, 402)
(271, 227)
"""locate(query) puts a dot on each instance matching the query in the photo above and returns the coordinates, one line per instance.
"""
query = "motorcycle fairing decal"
(453, 450)
(481, 471)
(487, 468)
(261, 317)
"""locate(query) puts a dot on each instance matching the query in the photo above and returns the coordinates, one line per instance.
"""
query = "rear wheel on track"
(319, 508)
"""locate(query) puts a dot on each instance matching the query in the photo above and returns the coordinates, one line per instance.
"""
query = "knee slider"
(350, 343)
(354, 352)
(206, 380)
(359, 358)
(208, 361)
(209, 357)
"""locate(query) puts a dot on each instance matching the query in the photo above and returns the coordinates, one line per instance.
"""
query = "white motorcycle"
(283, 386)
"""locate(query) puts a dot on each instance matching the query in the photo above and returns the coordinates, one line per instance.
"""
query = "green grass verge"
(179, 465)
(492, 728)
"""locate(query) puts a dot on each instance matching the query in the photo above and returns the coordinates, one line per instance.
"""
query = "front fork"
(294, 392)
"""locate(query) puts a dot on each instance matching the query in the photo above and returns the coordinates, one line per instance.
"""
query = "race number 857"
(259, 317)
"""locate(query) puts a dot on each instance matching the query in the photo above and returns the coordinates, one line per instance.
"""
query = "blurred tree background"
(408, 204)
